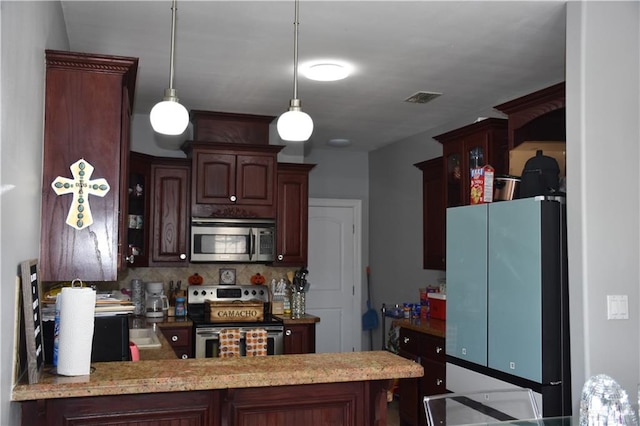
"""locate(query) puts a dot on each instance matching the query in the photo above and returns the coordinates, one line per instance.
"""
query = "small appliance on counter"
(157, 303)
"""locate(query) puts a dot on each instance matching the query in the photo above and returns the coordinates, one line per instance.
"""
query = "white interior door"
(335, 273)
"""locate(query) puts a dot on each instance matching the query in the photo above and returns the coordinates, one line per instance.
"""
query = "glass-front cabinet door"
(475, 145)
(138, 210)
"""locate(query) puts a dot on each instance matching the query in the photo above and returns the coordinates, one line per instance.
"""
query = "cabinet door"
(256, 178)
(138, 217)
(515, 302)
(467, 283)
(215, 178)
(170, 207)
(292, 214)
(299, 339)
(433, 214)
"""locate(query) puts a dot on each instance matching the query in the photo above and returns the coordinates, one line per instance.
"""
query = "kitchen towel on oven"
(229, 342)
(256, 342)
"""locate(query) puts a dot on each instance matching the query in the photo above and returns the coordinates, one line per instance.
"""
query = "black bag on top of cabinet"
(540, 176)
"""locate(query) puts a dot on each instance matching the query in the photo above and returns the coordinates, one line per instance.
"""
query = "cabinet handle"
(288, 332)
(438, 349)
(184, 356)
(130, 259)
(174, 338)
(233, 198)
(406, 340)
(280, 257)
(183, 256)
(439, 382)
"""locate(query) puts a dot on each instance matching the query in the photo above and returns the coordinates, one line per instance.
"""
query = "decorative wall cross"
(81, 187)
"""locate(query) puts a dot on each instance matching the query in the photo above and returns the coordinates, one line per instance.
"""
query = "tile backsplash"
(210, 273)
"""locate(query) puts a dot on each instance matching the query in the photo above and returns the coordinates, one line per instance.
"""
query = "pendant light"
(295, 125)
(169, 117)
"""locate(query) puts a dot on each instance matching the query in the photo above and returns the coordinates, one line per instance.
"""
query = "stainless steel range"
(207, 332)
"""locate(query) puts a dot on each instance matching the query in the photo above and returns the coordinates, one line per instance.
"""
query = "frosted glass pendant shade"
(169, 117)
(295, 126)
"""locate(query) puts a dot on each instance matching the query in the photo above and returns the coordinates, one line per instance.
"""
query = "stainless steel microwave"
(233, 240)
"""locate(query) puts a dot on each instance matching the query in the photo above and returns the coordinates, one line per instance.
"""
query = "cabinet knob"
(280, 257)
(288, 332)
(183, 256)
(174, 338)
(130, 259)
(438, 349)
(233, 198)
(439, 382)
(185, 356)
(406, 340)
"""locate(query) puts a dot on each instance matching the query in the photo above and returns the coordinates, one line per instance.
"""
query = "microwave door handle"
(251, 243)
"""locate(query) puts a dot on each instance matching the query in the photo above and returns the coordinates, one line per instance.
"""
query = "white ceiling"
(237, 56)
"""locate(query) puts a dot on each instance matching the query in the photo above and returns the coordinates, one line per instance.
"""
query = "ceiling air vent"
(422, 97)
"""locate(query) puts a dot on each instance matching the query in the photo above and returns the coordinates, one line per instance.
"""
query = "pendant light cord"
(174, 8)
(295, 52)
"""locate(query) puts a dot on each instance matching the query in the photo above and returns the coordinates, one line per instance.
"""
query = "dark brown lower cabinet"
(180, 340)
(299, 338)
(178, 408)
(429, 351)
(345, 404)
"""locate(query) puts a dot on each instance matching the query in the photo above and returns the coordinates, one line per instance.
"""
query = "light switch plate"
(617, 307)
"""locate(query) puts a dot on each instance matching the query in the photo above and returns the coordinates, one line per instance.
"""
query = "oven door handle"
(207, 333)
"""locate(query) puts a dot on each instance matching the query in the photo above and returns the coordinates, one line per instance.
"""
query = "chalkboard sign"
(32, 319)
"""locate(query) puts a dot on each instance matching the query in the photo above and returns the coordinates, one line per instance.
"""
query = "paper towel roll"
(77, 309)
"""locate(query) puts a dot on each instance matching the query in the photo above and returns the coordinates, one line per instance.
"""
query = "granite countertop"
(175, 375)
(306, 319)
(432, 326)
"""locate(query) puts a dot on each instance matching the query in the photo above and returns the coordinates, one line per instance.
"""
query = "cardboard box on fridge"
(519, 155)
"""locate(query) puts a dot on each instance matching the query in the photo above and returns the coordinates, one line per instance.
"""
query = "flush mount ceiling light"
(295, 125)
(339, 142)
(169, 117)
(326, 70)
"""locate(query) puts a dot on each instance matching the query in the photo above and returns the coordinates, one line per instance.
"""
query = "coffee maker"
(157, 304)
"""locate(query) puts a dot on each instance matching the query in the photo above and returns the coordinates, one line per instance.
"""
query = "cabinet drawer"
(177, 336)
(409, 341)
(433, 348)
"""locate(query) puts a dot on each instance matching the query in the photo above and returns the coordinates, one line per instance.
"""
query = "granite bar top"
(176, 375)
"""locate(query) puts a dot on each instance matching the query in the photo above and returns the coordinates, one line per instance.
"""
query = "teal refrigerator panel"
(514, 288)
(466, 335)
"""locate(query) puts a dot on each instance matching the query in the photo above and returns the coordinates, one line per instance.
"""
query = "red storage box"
(438, 305)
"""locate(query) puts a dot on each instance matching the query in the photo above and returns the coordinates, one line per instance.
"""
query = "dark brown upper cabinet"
(292, 214)
(233, 180)
(88, 101)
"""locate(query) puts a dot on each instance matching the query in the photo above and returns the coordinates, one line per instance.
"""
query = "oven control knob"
(253, 292)
(204, 293)
(261, 292)
(246, 292)
(195, 292)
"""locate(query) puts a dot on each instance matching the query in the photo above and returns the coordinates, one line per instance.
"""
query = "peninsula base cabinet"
(360, 403)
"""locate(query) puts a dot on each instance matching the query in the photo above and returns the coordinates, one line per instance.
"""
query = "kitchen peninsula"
(311, 389)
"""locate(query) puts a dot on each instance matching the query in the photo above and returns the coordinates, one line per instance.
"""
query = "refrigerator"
(507, 299)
